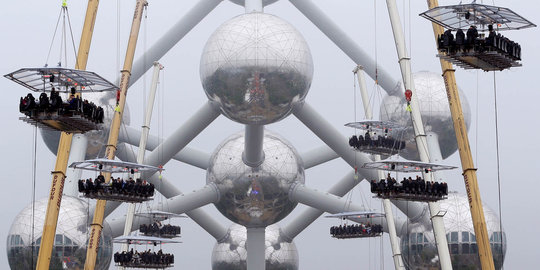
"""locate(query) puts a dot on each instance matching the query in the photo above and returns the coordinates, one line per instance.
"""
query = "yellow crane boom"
(64, 147)
(469, 171)
(97, 222)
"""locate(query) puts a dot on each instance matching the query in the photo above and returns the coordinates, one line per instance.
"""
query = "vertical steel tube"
(79, 144)
(253, 155)
(253, 6)
(256, 247)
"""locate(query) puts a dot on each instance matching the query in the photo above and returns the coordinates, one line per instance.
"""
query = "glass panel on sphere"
(58, 239)
(419, 238)
(413, 238)
(474, 249)
(465, 249)
(454, 248)
(464, 236)
(453, 236)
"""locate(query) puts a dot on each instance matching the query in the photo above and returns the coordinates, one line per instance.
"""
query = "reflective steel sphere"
(418, 245)
(255, 197)
(265, 2)
(256, 67)
(431, 93)
(231, 254)
(97, 139)
(69, 251)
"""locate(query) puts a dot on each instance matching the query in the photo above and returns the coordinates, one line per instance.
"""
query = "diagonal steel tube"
(317, 156)
(171, 37)
(187, 155)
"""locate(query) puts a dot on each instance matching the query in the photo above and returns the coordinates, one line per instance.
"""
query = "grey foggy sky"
(27, 32)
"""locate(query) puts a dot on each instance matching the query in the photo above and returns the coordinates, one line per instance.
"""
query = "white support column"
(394, 242)
(79, 144)
(256, 247)
(421, 142)
(142, 146)
(253, 6)
(253, 155)
(434, 152)
(346, 44)
(171, 37)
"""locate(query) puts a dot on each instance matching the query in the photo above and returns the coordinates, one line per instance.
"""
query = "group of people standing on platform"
(418, 186)
(118, 186)
(142, 259)
(471, 41)
(158, 229)
(357, 230)
(54, 103)
(380, 141)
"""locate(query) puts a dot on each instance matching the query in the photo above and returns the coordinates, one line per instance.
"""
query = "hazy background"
(28, 26)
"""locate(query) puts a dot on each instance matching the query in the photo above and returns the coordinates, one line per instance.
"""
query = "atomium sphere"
(418, 245)
(69, 251)
(231, 254)
(264, 2)
(433, 102)
(256, 67)
(255, 196)
(97, 139)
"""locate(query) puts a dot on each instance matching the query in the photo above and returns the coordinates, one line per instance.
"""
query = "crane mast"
(64, 147)
(97, 222)
(469, 171)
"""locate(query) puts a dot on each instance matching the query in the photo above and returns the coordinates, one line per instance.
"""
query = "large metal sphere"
(265, 2)
(418, 245)
(255, 197)
(256, 67)
(97, 139)
(231, 254)
(69, 251)
(433, 102)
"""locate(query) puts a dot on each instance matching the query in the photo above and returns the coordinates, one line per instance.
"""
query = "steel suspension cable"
(54, 35)
(498, 161)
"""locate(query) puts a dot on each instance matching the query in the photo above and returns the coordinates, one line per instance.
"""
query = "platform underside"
(349, 236)
(411, 197)
(486, 61)
(117, 197)
(72, 123)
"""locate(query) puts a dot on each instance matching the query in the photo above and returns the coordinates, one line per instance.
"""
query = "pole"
(142, 146)
(469, 171)
(62, 155)
(96, 226)
(420, 136)
(396, 252)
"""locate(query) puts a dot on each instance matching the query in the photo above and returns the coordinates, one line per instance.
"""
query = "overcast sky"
(27, 31)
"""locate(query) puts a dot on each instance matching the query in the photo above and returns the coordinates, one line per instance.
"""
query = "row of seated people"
(357, 230)
(74, 105)
(117, 186)
(158, 229)
(145, 258)
(472, 41)
(379, 142)
(418, 186)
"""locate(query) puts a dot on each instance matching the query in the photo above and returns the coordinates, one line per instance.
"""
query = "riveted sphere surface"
(97, 139)
(256, 67)
(69, 242)
(418, 244)
(433, 102)
(255, 197)
(231, 254)
(264, 2)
